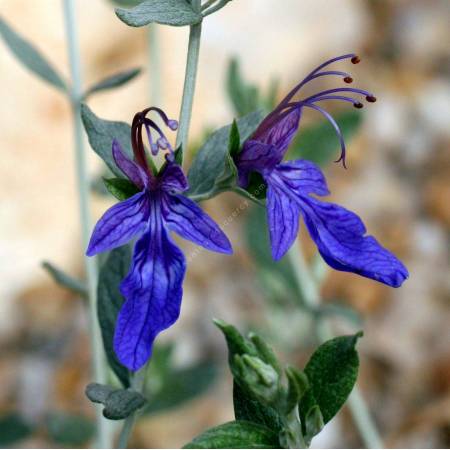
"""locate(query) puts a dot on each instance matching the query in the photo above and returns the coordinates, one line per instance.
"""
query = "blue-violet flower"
(153, 287)
(338, 233)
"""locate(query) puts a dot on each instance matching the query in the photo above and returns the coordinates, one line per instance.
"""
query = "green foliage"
(126, 3)
(71, 430)
(30, 57)
(238, 434)
(319, 143)
(247, 407)
(121, 188)
(246, 97)
(332, 372)
(234, 140)
(113, 81)
(13, 428)
(101, 134)
(65, 280)
(118, 403)
(213, 170)
(109, 303)
(165, 12)
(293, 404)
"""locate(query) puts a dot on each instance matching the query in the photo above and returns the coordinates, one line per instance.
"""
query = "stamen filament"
(343, 89)
(328, 116)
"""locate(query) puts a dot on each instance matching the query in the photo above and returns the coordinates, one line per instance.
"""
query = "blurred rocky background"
(398, 180)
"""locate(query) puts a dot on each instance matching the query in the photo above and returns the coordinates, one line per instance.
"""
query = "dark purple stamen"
(141, 120)
(286, 106)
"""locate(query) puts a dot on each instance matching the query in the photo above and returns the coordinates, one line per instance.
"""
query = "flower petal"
(255, 157)
(339, 236)
(186, 218)
(132, 170)
(283, 218)
(119, 224)
(279, 132)
(153, 291)
(173, 178)
(302, 177)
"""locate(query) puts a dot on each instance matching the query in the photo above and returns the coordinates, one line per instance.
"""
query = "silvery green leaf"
(332, 371)
(121, 403)
(98, 393)
(121, 188)
(237, 434)
(109, 303)
(213, 170)
(297, 386)
(65, 280)
(30, 57)
(101, 134)
(165, 12)
(118, 403)
(313, 423)
(113, 81)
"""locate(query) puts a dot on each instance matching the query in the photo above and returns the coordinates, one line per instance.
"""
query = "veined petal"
(120, 224)
(302, 177)
(153, 291)
(255, 157)
(173, 178)
(280, 133)
(132, 170)
(186, 218)
(339, 236)
(283, 218)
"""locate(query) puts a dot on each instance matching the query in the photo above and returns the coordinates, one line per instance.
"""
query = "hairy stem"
(137, 383)
(98, 366)
(309, 288)
(154, 64)
(189, 79)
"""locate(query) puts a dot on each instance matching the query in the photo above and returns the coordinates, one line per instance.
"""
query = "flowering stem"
(137, 384)
(126, 431)
(189, 79)
(154, 64)
(98, 366)
(307, 284)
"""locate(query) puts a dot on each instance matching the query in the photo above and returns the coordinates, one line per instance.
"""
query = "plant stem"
(98, 366)
(215, 8)
(189, 79)
(137, 383)
(126, 431)
(154, 64)
(310, 292)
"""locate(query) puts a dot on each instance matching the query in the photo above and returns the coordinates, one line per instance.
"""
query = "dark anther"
(371, 99)
(348, 80)
(358, 105)
(355, 60)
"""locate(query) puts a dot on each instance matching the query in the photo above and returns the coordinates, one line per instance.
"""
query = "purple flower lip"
(293, 187)
(344, 94)
(162, 143)
(153, 287)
